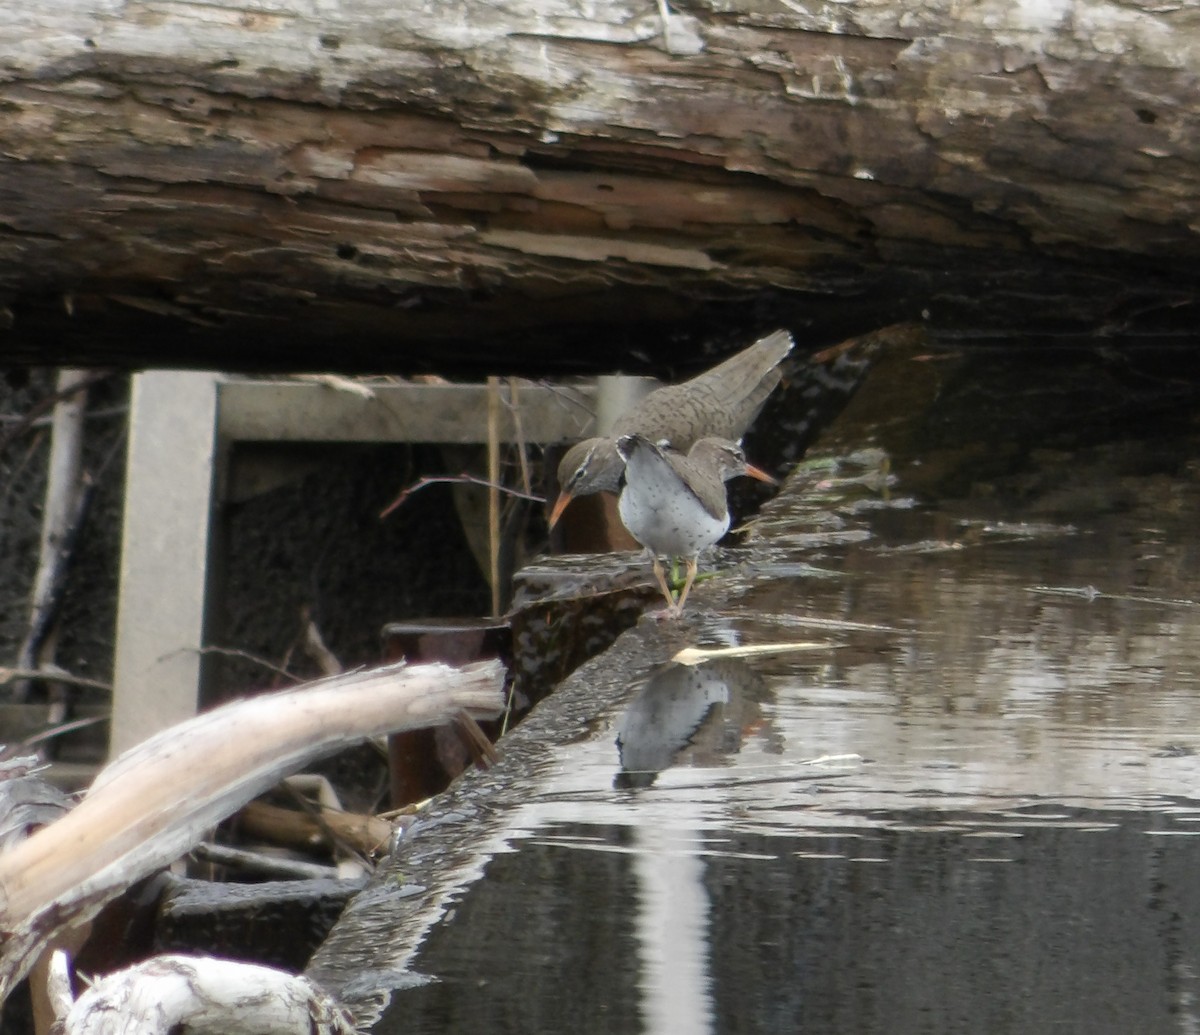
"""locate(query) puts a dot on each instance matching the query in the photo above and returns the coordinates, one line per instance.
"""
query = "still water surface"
(960, 792)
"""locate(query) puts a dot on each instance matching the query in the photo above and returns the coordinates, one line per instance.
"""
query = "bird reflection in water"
(687, 714)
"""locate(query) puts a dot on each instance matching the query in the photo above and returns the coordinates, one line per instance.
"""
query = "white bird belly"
(669, 523)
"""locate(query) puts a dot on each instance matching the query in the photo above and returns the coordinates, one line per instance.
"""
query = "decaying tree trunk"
(177, 177)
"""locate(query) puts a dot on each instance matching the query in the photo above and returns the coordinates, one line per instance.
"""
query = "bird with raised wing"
(722, 403)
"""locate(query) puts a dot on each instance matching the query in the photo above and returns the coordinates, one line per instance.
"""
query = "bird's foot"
(667, 614)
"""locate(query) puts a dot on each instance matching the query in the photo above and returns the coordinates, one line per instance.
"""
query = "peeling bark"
(389, 177)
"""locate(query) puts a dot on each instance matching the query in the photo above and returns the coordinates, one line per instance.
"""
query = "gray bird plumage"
(721, 403)
(675, 505)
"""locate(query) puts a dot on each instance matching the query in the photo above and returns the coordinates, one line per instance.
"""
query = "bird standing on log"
(721, 402)
(675, 505)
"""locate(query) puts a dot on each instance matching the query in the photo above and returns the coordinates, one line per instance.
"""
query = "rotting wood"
(155, 801)
(200, 994)
(424, 187)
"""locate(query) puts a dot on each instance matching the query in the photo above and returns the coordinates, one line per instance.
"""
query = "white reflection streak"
(672, 931)
(1185, 1002)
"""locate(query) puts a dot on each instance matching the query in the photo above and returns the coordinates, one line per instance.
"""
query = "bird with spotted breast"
(722, 403)
(675, 505)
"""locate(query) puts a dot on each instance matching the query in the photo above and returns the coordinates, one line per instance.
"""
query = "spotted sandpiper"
(721, 402)
(675, 505)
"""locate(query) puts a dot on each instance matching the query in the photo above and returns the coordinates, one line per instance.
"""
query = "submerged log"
(182, 181)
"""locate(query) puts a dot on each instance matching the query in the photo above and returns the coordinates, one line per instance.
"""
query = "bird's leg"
(678, 37)
(687, 585)
(662, 583)
(664, 14)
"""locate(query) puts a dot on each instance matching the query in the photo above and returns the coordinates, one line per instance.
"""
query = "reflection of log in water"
(698, 706)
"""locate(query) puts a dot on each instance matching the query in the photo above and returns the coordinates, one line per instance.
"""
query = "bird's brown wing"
(721, 401)
(699, 476)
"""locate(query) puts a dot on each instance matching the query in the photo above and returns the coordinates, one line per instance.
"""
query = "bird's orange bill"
(760, 474)
(560, 505)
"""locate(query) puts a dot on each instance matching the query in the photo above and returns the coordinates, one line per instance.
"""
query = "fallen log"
(366, 185)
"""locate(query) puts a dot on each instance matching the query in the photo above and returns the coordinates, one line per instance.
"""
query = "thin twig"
(58, 730)
(569, 398)
(509, 701)
(316, 648)
(14, 476)
(48, 402)
(261, 862)
(483, 752)
(51, 675)
(456, 479)
(233, 652)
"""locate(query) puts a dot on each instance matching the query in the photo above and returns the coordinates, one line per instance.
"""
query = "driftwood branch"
(201, 995)
(365, 835)
(153, 803)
